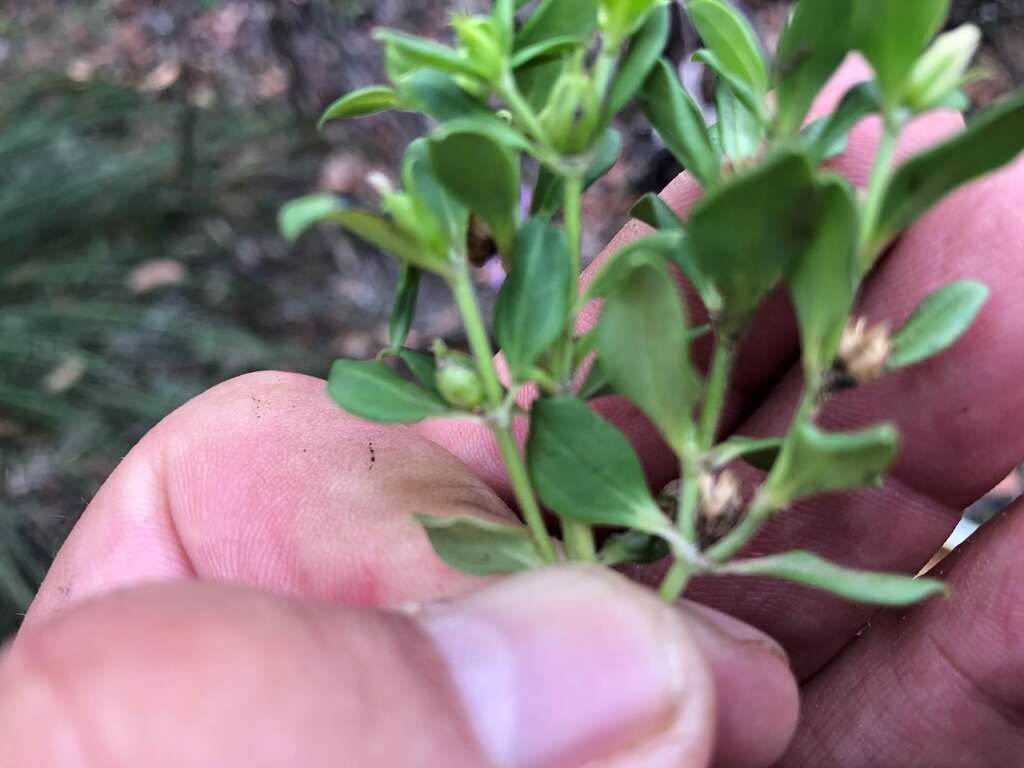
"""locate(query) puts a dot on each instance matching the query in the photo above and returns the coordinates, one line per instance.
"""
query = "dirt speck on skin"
(373, 455)
(64, 590)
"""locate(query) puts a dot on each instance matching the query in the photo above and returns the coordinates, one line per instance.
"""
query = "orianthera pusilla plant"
(530, 91)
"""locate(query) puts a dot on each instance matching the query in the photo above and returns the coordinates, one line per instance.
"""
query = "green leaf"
(533, 305)
(620, 19)
(549, 191)
(745, 234)
(739, 131)
(727, 32)
(655, 212)
(760, 453)
(644, 51)
(811, 49)
(632, 547)
(673, 113)
(823, 279)
(410, 52)
(860, 586)
(481, 547)
(405, 307)
(299, 215)
(422, 366)
(503, 12)
(483, 175)
(990, 141)
(653, 250)
(438, 95)
(372, 391)
(828, 137)
(741, 91)
(940, 320)
(644, 351)
(596, 384)
(814, 462)
(552, 47)
(418, 178)
(361, 103)
(557, 18)
(893, 35)
(585, 470)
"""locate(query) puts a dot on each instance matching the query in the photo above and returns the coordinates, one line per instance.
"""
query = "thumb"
(561, 667)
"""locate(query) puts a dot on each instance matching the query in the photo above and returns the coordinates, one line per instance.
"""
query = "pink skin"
(263, 482)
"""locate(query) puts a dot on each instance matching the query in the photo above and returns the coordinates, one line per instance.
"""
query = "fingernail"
(571, 666)
(722, 626)
(757, 700)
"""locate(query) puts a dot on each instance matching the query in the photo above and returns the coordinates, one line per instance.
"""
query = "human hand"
(262, 482)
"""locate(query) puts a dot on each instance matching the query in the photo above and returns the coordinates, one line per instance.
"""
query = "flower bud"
(482, 41)
(459, 383)
(864, 351)
(573, 112)
(942, 68)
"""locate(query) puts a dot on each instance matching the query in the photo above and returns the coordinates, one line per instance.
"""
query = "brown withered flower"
(721, 504)
(863, 351)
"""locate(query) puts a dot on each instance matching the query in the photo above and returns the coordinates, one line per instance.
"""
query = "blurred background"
(145, 148)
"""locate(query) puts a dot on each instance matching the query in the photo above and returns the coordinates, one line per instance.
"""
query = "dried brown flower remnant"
(721, 502)
(864, 351)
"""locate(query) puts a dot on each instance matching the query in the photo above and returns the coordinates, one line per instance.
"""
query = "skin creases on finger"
(264, 481)
(942, 684)
(554, 668)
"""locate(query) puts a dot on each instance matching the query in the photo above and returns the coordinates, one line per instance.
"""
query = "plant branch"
(880, 175)
(579, 538)
(714, 399)
(480, 346)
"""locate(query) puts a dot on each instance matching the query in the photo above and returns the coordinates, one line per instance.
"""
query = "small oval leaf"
(481, 547)
(370, 390)
(585, 470)
(727, 32)
(673, 113)
(533, 305)
(361, 103)
(644, 351)
(940, 320)
(861, 586)
(813, 461)
(483, 175)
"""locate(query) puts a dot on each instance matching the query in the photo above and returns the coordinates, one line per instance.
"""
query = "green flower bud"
(942, 67)
(482, 42)
(573, 112)
(620, 19)
(459, 383)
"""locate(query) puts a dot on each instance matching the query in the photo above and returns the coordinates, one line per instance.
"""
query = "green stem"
(764, 504)
(480, 346)
(714, 399)
(604, 70)
(574, 227)
(880, 175)
(579, 541)
(521, 110)
(579, 537)
(675, 581)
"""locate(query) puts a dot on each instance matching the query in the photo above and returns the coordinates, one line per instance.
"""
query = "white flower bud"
(942, 68)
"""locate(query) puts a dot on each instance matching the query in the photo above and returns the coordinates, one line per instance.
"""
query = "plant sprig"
(535, 87)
